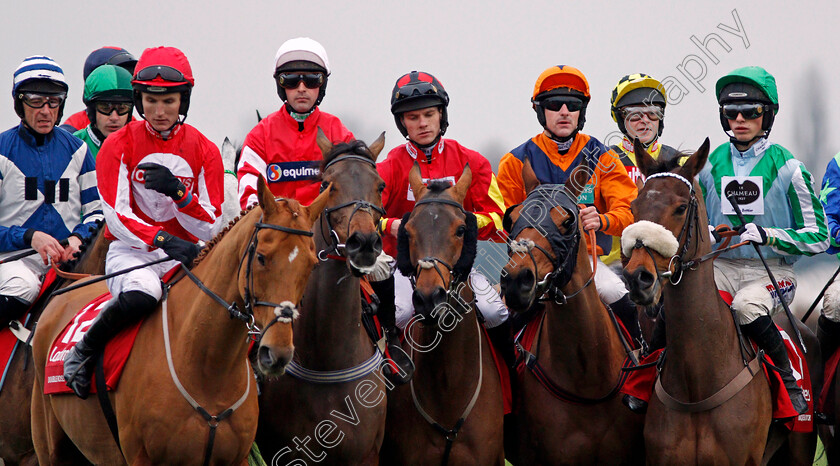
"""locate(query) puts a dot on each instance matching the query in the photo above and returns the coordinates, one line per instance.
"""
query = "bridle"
(459, 272)
(284, 312)
(565, 245)
(678, 264)
(335, 246)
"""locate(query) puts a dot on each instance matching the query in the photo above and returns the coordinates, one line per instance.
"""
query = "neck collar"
(565, 143)
(429, 151)
(33, 137)
(756, 150)
(164, 135)
(299, 117)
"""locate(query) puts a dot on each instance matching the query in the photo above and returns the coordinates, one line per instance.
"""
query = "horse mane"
(438, 186)
(213, 242)
(356, 146)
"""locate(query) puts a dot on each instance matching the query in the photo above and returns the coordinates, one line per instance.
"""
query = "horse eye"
(681, 209)
(261, 259)
(461, 231)
(381, 188)
(567, 224)
(324, 185)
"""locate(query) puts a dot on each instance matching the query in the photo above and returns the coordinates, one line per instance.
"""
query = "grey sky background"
(486, 53)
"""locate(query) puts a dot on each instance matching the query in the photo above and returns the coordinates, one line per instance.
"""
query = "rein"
(451, 434)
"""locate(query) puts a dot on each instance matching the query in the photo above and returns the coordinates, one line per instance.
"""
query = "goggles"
(749, 111)
(167, 73)
(106, 108)
(293, 80)
(573, 104)
(38, 100)
(416, 88)
(635, 114)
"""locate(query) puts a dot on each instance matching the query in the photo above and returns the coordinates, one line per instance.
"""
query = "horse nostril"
(354, 243)
(641, 278)
(377, 243)
(265, 356)
(527, 280)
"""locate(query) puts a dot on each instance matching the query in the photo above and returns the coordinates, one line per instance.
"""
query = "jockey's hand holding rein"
(49, 247)
(754, 233)
(590, 219)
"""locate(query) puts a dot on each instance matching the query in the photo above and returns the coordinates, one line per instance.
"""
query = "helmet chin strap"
(749, 143)
(426, 147)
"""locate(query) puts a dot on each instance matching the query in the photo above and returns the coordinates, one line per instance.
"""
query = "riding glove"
(159, 178)
(754, 233)
(714, 236)
(178, 249)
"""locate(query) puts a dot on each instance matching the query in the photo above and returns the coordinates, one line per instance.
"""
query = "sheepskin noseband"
(652, 235)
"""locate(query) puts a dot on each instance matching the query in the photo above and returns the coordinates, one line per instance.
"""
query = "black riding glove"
(159, 178)
(178, 249)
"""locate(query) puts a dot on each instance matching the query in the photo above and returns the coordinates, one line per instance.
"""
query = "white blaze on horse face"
(293, 255)
(653, 194)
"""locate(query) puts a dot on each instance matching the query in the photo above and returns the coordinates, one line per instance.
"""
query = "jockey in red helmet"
(162, 186)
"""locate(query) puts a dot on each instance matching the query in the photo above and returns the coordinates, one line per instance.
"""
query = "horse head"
(354, 207)
(274, 269)
(669, 217)
(437, 243)
(544, 239)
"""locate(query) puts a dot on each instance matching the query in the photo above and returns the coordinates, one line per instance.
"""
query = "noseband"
(677, 265)
(284, 312)
(335, 245)
(457, 273)
(535, 214)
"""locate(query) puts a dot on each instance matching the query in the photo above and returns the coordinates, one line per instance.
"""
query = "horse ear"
(415, 180)
(577, 180)
(266, 197)
(643, 160)
(324, 143)
(377, 146)
(696, 161)
(314, 209)
(529, 178)
(228, 155)
(463, 185)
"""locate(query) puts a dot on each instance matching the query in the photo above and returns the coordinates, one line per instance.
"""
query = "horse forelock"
(357, 147)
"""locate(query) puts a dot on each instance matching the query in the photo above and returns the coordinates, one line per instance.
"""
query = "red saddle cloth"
(504, 374)
(9, 343)
(116, 351)
(825, 404)
(641, 382)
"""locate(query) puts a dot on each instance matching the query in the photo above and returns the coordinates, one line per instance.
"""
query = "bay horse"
(191, 362)
(703, 353)
(567, 409)
(333, 390)
(452, 411)
(15, 397)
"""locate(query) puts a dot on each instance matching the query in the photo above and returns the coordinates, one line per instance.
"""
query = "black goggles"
(292, 80)
(167, 73)
(573, 104)
(106, 108)
(38, 100)
(749, 111)
(416, 88)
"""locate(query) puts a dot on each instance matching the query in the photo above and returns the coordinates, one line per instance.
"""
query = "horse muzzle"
(429, 305)
(362, 249)
(643, 286)
(519, 289)
(273, 361)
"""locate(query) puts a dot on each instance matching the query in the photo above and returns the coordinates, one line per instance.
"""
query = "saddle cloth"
(825, 404)
(641, 382)
(9, 344)
(116, 351)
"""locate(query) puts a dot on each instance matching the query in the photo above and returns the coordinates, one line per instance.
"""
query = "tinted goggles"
(635, 114)
(293, 80)
(573, 104)
(106, 108)
(167, 73)
(749, 111)
(416, 88)
(38, 100)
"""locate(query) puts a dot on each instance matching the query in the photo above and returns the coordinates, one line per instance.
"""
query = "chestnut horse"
(567, 409)
(15, 397)
(333, 390)
(187, 391)
(452, 411)
(703, 353)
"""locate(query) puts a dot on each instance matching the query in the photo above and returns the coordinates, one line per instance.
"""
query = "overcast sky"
(486, 53)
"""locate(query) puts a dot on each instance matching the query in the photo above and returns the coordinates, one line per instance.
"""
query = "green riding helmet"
(109, 83)
(749, 84)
